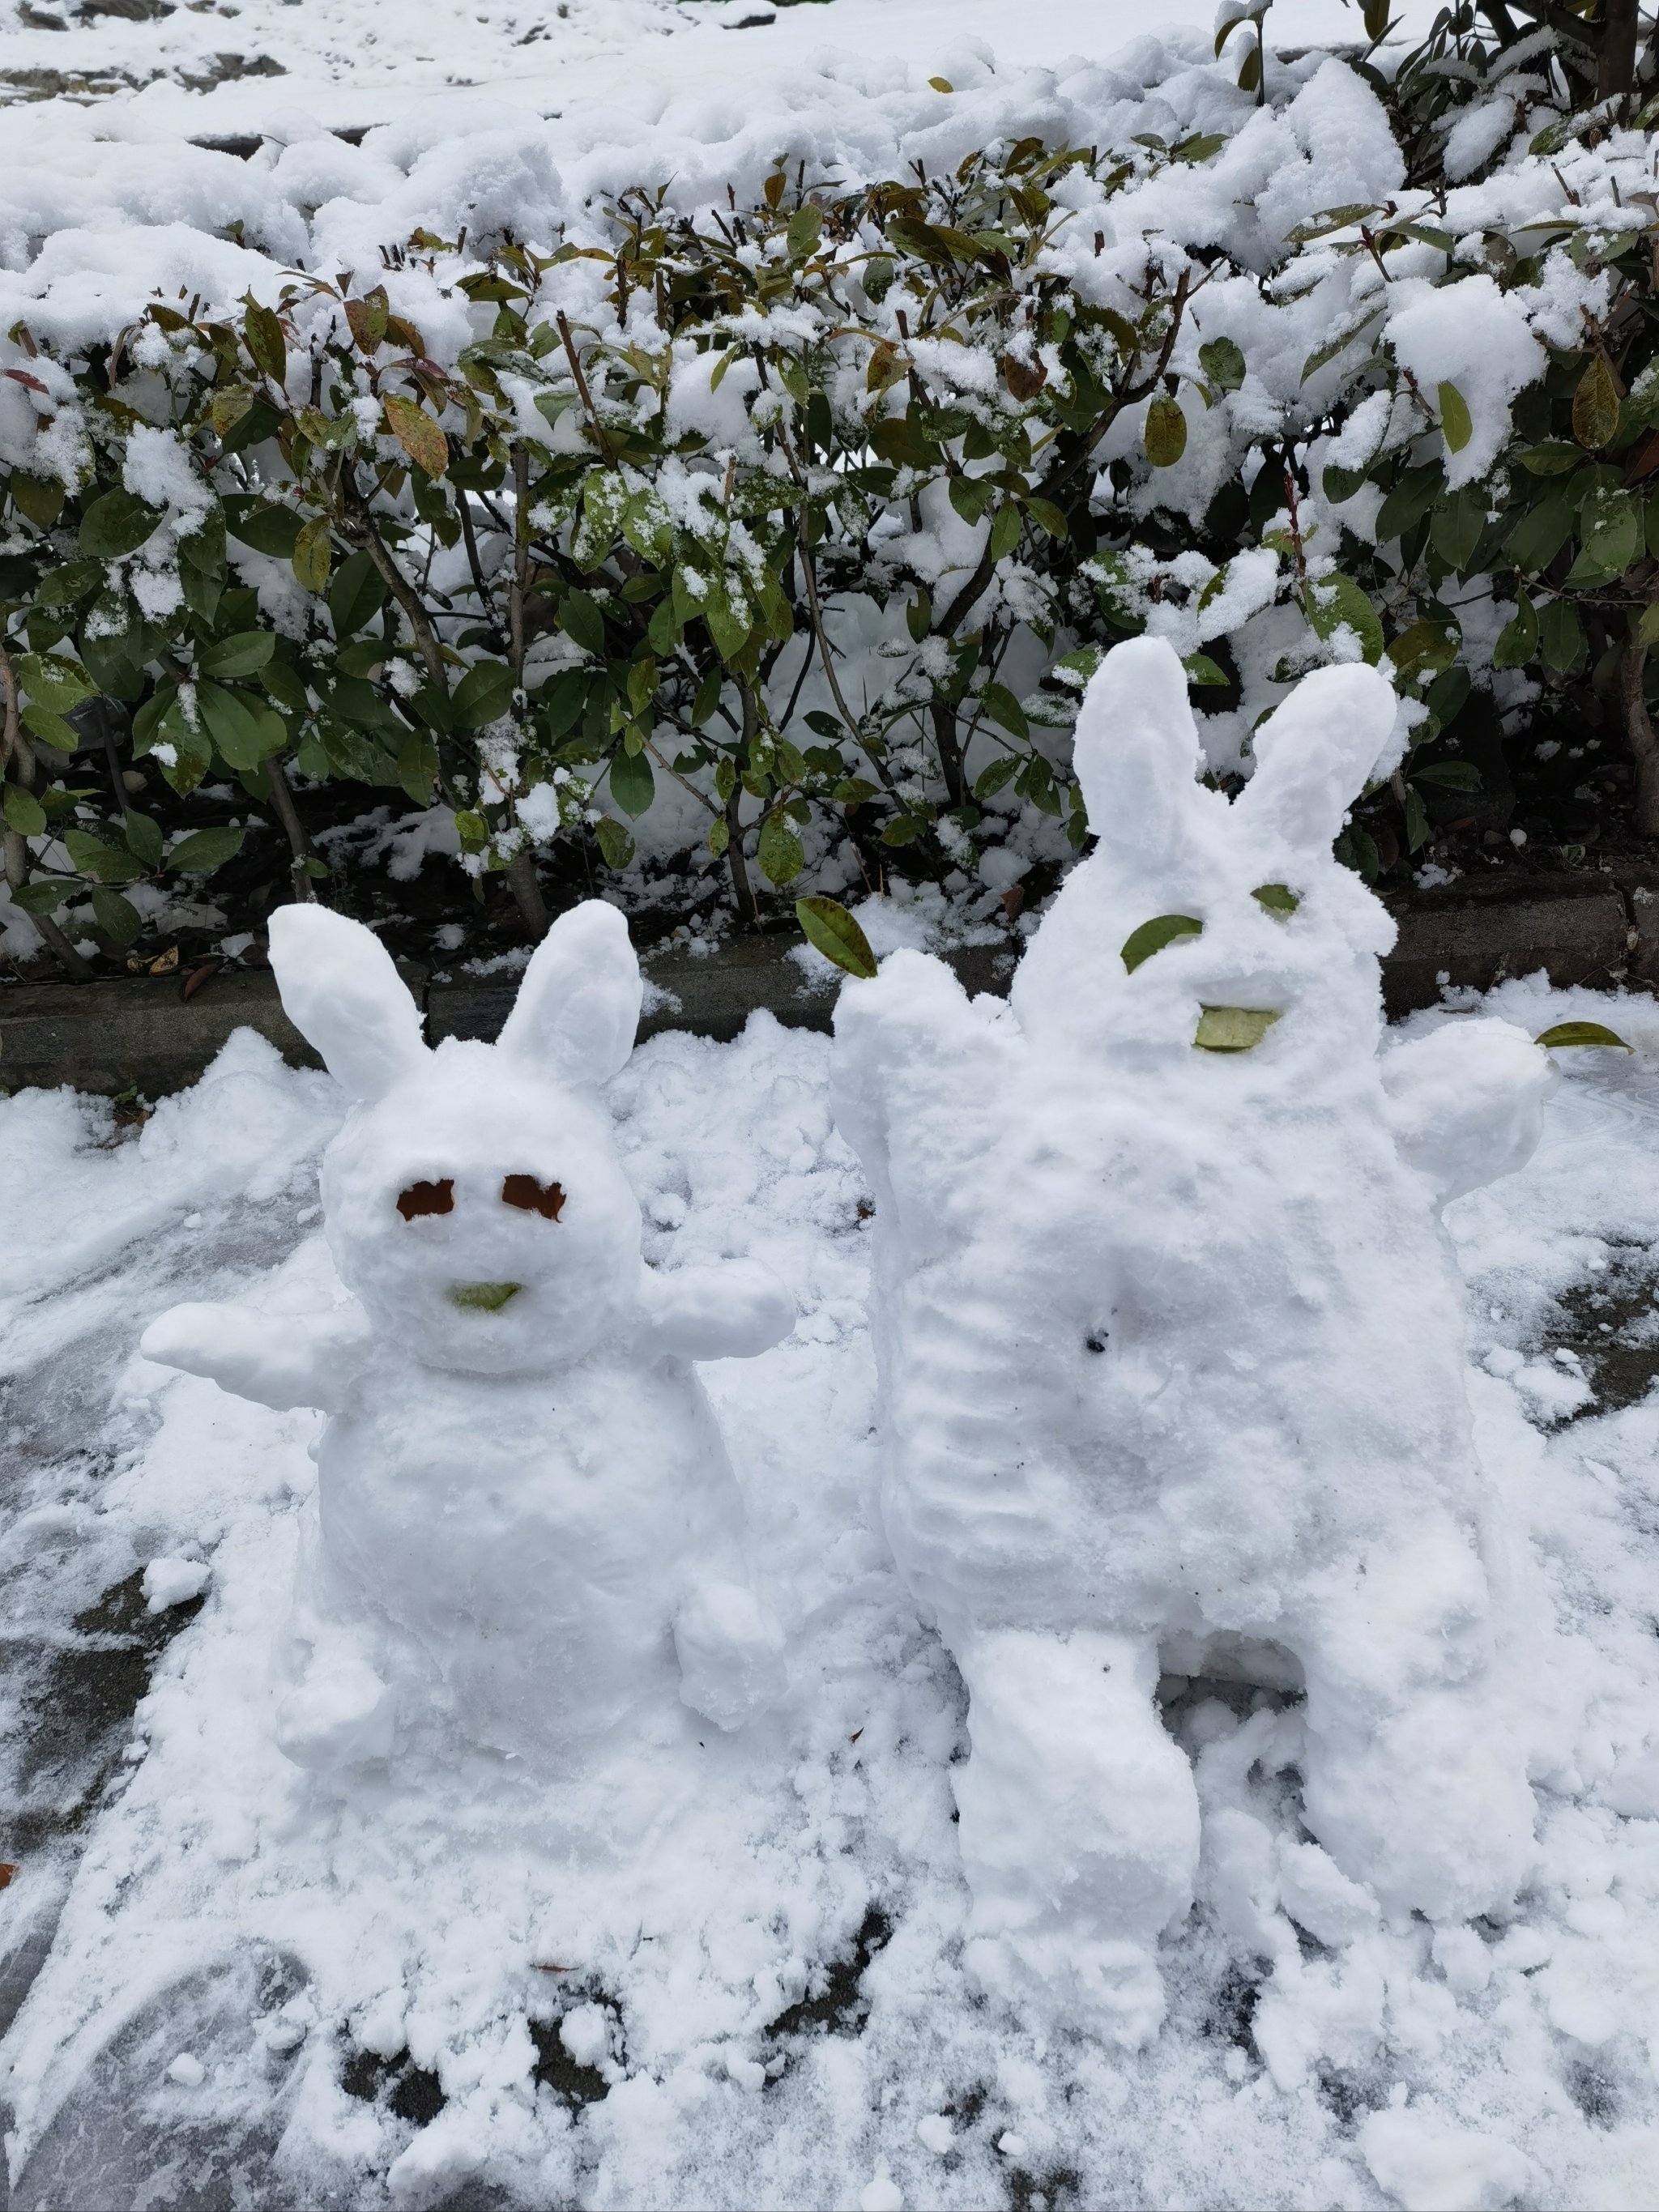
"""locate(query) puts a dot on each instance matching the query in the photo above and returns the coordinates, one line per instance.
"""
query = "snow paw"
(341, 1715)
(731, 1655)
(1111, 1988)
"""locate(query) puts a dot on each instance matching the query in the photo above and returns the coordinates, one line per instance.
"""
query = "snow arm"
(920, 1081)
(1467, 1103)
(280, 1360)
(731, 1311)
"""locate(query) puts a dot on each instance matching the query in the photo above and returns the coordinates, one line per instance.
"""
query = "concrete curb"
(144, 1035)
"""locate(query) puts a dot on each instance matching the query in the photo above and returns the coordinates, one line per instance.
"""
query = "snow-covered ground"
(223, 67)
(254, 1978)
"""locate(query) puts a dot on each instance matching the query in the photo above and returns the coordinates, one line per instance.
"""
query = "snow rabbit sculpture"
(1172, 1346)
(527, 1516)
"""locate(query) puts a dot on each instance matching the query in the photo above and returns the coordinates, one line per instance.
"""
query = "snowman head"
(1196, 922)
(474, 1201)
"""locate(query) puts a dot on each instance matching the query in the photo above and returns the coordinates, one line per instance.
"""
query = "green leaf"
(1450, 776)
(1560, 636)
(1445, 696)
(778, 848)
(919, 615)
(1048, 517)
(633, 785)
(49, 729)
(1201, 670)
(1232, 1029)
(243, 654)
(484, 695)
(1456, 528)
(1198, 148)
(1540, 534)
(616, 845)
(1223, 363)
(1455, 428)
(836, 935)
(270, 529)
(48, 891)
(143, 837)
(244, 729)
(116, 523)
(105, 864)
(970, 496)
(313, 554)
(357, 594)
(1408, 501)
(1152, 936)
(1004, 709)
(805, 227)
(1517, 640)
(65, 586)
(1166, 432)
(1416, 819)
(1583, 1033)
(1552, 460)
(1611, 526)
(1277, 898)
(1337, 602)
(581, 621)
(991, 779)
(1423, 648)
(263, 335)
(39, 500)
(117, 917)
(1004, 530)
(203, 850)
(56, 684)
(1595, 404)
(24, 812)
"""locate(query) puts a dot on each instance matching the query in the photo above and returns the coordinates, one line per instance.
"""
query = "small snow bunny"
(525, 1513)
(1171, 1348)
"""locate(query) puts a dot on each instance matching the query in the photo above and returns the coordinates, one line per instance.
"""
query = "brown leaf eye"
(533, 1197)
(427, 1198)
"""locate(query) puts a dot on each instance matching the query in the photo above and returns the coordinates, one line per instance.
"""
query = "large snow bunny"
(1172, 1350)
(528, 1529)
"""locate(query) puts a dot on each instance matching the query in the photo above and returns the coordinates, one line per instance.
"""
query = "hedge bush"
(821, 509)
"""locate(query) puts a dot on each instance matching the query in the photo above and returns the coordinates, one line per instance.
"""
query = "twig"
(281, 801)
(575, 359)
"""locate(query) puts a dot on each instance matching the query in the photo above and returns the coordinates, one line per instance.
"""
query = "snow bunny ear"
(1316, 752)
(578, 1007)
(342, 993)
(1137, 751)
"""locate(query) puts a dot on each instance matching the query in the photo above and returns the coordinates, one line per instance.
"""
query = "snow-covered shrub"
(796, 523)
(1171, 1370)
(526, 1529)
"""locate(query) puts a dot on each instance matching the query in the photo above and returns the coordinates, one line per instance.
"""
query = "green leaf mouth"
(1233, 1028)
(483, 1297)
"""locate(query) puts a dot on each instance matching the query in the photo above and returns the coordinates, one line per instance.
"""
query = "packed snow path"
(732, 1974)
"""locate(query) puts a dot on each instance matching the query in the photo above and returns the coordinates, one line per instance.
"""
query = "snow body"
(528, 1534)
(1171, 1350)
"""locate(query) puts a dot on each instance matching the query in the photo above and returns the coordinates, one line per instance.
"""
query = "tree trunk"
(1639, 728)
(281, 802)
(1615, 75)
(943, 716)
(521, 881)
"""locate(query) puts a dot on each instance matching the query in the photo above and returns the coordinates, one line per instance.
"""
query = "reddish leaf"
(523, 1191)
(428, 1198)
